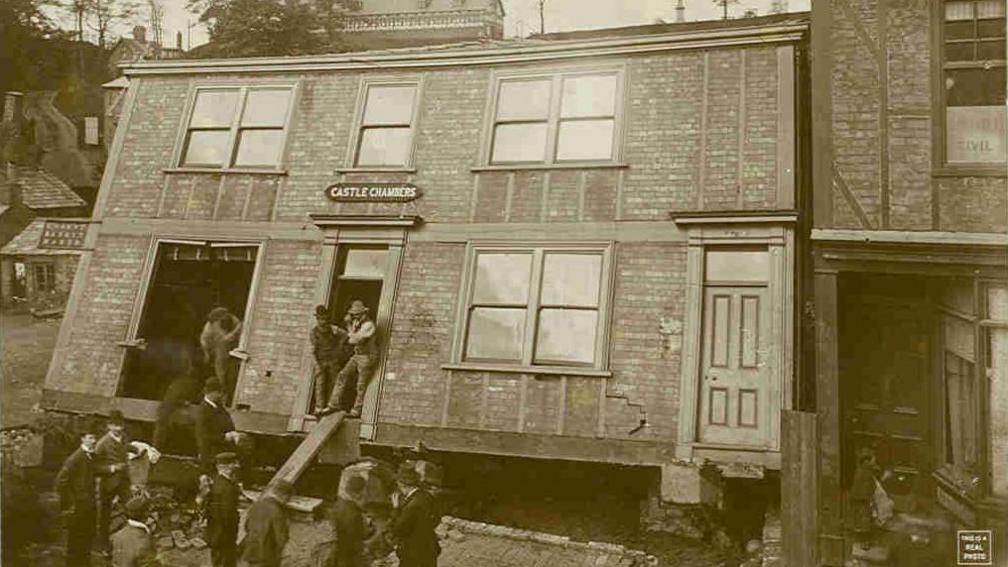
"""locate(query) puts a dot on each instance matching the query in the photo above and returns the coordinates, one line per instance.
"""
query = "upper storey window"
(237, 127)
(974, 54)
(569, 117)
(385, 138)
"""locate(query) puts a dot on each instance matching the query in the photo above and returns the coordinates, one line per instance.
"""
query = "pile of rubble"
(175, 524)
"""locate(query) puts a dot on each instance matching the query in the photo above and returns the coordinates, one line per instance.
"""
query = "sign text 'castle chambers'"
(372, 192)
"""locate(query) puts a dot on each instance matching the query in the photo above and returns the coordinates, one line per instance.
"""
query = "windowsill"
(134, 343)
(226, 170)
(547, 370)
(971, 171)
(549, 166)
(375, 170)
(239, 354)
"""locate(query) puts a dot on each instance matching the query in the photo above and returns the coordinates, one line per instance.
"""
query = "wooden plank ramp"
(304, 456)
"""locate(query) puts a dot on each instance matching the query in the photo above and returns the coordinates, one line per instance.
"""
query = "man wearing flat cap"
(415, 521)
(266, 527)
(329, 346)
(222, 512)
(133, 546)
(361, 335)
(75, 485)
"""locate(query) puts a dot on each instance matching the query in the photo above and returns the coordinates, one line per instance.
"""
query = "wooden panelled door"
(885, 384)
(736, 366)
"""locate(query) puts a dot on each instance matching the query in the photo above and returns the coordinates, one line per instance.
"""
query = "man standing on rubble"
(75, 485)
(111, 454)
(348, 523)
(415, 521)
(361, 334)
(219, 337)
(222, 512)
(266, 527)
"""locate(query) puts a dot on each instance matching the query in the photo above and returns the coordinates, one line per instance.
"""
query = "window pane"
(389, 105)
(502, 278)
(975, 87)
(496, 333)
(571, 279)
(958, 11)
(987, 50)
(207, 147)
(990, 9)
(266, 108)
(214, 108)
(364, 262)
(997, 304)
(384, 146)
(519, 143)
(738, 265)
(975, 134)
(259, 147)
(960, 51)
(590, 95)
(523, 100)
(993, 28)
(566, 335)
(585, 140)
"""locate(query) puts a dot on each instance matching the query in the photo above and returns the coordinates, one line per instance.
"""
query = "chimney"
(10, 192)
(680, 11)
(178, 41)
(140, 34)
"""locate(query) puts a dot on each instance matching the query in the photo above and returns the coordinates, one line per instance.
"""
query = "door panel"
(736, 366)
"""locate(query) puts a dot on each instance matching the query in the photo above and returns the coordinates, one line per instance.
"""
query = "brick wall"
(863, 33)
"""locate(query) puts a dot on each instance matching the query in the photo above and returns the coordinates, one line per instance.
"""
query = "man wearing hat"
(215, 431)
(222, 512)
(415, 521)
(133, 546)
(348, 523)
(266, 527)
(328, 347)
(111, 454)
(361, 335)
(75, 485)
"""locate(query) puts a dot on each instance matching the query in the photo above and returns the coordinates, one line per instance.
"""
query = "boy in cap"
(222, 512)
(328, 343)
(266, 528)
(348, 523)
(75, 485)
(361, 334)
(414, 524)
(133, 546)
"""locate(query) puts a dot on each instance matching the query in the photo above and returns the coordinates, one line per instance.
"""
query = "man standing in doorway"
(75, 485)
(219, 337)
(361, 335)
(328, 343)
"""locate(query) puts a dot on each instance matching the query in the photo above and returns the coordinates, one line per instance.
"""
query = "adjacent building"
(379, 24)
(582, 248)
(910, 245)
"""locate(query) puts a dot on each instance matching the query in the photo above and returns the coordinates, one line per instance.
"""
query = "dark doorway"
(188, 281)
(886, 336)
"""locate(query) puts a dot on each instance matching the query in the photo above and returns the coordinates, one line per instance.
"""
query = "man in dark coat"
(215, 431)
(111, 455)
(349, 525)
(132, 546)
(329, 347)
(75, 485)
(222, 512)
(414, 524)
(266, 527)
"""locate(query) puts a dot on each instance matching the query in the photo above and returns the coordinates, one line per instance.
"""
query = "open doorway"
(19, 284)
(189, 280)
(360, 274)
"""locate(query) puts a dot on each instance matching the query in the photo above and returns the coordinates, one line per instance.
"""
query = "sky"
(522, 15)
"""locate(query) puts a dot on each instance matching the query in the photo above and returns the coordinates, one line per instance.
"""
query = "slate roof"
(43, 190)
(27, 241)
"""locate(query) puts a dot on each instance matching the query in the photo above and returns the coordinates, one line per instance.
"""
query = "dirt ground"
(27, 344)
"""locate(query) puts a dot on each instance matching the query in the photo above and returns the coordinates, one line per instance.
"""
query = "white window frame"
(182, 143)
(527, 364)
(556, 78)
(356, 134)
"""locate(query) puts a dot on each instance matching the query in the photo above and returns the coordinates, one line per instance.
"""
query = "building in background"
(380, 24)
(37, 267)
(911, 270)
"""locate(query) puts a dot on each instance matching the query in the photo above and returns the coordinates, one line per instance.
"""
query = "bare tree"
(155, 12)
(108, 13)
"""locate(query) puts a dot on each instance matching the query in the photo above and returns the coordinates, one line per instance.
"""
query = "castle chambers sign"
(372, 192)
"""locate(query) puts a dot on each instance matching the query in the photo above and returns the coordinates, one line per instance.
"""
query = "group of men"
(344, 358)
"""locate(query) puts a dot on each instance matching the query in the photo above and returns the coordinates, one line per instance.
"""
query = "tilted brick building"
(911, 271)
(579, 248)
